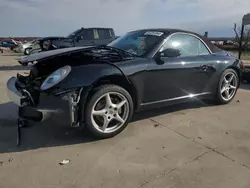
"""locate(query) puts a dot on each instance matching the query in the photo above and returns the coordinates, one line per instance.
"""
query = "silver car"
(26, 47)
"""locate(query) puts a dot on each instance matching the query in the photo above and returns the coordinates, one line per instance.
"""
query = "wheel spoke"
(227, 93)
(108, 100)
(232, 87)
(223, 89)
(105, 123)
(118, 118)
(225, 80)
(231, 78)
(121, 104)
(99, 112)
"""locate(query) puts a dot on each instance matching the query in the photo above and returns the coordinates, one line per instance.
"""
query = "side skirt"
(176, 100)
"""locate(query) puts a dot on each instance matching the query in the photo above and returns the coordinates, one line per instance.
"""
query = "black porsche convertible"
(100, 88)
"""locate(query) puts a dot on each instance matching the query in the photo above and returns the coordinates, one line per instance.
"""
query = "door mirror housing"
(170, 52)
(78, 38)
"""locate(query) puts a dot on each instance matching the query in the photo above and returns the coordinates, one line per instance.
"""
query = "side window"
(96, 35)
(88, 34)
(203, 49)
(85, 34)
(187, 44)
(111, 33)
(104, 33)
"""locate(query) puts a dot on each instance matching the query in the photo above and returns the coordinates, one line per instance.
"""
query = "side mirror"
(170, 52)
(78, 38)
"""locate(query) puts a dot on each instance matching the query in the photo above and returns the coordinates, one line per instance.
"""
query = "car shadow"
(245, 86)
(172, 109)
(44, 135)
(14, 67)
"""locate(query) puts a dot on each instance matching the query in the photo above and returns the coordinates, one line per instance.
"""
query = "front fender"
(84, 76)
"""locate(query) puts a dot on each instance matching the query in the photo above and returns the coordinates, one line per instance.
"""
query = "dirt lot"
(191, 145)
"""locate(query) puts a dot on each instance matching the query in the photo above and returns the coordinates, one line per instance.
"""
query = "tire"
(92, 102)
(27, 51)
(221, 97)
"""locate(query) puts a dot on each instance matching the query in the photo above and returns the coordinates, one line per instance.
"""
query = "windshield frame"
(151, 50)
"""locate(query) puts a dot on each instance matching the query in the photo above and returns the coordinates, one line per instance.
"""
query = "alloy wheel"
(27, 51)
(110, 112)
(228, 86)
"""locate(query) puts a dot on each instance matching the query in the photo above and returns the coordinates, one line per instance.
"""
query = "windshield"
(138, 42)
(71, 35)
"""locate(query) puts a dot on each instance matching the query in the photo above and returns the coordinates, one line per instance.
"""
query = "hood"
(50, 54)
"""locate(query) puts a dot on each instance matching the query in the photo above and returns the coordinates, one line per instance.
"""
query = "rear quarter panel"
(221, 61)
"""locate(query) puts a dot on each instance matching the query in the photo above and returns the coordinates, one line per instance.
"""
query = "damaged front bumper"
(62, 109)
(14, 95)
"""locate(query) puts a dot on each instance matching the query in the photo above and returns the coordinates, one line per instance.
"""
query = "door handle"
(206, 67)
(203, 67)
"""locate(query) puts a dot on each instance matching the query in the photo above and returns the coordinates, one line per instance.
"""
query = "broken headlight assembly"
(55, 77)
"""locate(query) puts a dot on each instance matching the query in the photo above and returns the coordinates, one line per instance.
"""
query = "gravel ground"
(191, 145)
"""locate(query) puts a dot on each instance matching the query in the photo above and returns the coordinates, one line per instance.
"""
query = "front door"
(179, 77)
(85, 38)
(104, 36)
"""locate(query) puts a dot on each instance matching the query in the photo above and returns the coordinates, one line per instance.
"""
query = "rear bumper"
(49, 107)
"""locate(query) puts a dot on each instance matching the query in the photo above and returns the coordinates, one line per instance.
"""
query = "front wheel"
(27, 51)
(227, 86)
(108, 111)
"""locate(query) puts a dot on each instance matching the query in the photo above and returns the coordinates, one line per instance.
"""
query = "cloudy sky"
(60, 17)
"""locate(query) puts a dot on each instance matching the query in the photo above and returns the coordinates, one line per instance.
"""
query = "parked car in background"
(26, 47)
(1, 50)
(17, 42)
(8, 44)
(99, 88)
(80, 37)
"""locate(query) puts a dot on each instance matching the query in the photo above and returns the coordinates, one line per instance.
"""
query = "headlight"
(55, 77)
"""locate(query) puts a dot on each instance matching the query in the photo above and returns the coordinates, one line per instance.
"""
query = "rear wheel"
(227, 87)
(108, 111)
